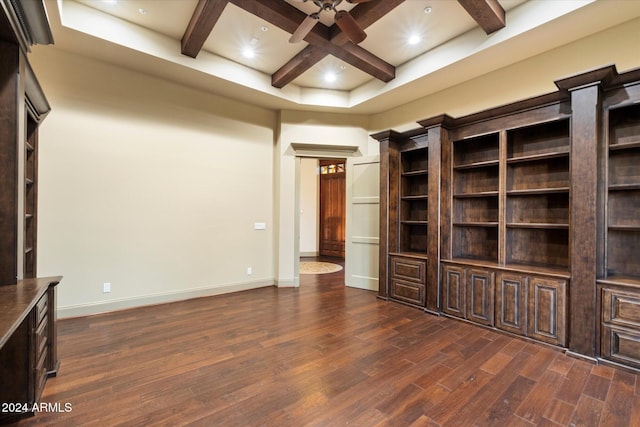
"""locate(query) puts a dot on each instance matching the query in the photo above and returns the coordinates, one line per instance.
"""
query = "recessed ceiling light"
(248, 52)
(427, 9)
(264, 28)
(414, 39)
(143, 11)
(330, 77)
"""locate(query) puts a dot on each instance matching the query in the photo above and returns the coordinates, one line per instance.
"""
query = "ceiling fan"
(343, 20)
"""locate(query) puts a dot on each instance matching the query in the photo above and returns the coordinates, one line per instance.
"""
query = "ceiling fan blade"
(304, 28)
(350, 26)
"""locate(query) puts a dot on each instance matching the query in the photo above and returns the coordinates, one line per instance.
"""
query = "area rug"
(309, 267)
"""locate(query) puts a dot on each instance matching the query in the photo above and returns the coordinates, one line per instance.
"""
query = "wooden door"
(332, 207)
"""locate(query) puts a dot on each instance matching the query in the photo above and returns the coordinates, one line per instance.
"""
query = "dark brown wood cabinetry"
(535, 209)
(28, 354)
(410, 188)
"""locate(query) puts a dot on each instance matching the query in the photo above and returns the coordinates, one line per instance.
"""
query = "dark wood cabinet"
(511, 303)
(408, 278)
(409, 221)
(547, 310)
(481, 296)
(453, 290)
(28, 345)
(530, 223)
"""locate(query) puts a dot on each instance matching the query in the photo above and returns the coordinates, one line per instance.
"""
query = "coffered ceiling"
(241, 48)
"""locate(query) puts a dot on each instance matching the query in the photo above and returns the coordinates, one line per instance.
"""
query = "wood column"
(10, 115)
(585, 142)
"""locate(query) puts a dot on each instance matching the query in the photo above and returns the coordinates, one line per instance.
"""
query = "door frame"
(316, 152)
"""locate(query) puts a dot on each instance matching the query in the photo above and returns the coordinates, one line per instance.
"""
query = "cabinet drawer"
(41, 373)
(41, 339)
(412, 293)
(621, 345)
(42, 308)
(620, 307)
(411, 270)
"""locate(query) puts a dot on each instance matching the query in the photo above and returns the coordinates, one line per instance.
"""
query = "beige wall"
(150, 186)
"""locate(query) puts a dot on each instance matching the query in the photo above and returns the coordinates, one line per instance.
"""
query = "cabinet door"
(511, 297)
(547, 310)
(621, 345)
(480, 290)
(453, 290)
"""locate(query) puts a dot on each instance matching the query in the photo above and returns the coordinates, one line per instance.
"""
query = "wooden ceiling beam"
(202, 21)
(487, 13)
(297, 65)
(284, 16)
(365, 14)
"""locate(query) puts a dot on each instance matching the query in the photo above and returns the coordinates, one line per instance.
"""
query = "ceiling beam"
(287, 17)
(365, 14)
(487, 13)
(202, 21)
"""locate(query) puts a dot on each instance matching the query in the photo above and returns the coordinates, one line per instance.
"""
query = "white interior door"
(362, 222)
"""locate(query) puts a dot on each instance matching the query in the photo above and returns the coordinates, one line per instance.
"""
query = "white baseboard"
(362, 282)
(160, 298)
(288, 283)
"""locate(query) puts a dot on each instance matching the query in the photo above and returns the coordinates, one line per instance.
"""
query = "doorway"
(332, 198)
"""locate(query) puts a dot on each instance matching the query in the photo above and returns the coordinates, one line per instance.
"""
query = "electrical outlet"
(106, 287)
(249, 271)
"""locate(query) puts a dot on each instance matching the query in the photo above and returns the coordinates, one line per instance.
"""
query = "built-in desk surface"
(16, 301)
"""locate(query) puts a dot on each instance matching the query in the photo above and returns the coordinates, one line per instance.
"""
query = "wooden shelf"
(418, 197)
(538, 157)
(479, 194)
(536, 191)
(28, 181)
(415, 173)
(632, 143)
(544, 226)
(624, 227)
(27, 250)
(408, 254)
(28, 146)
(475, 165)
(412, 222)
(624, 187)
(475, 224)
(620, 281)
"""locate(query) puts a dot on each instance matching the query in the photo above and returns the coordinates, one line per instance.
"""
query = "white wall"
(309, 214)
(150, 186)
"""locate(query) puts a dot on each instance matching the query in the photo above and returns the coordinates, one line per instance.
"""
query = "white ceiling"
(116, 31)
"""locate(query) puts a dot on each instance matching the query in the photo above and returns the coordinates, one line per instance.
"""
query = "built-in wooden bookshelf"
(620, 286)
(537, 195)
(530, 223)
(31, 200)
(475, 198)
(414, 201)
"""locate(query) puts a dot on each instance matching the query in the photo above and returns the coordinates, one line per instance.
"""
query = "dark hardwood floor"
(320, 355)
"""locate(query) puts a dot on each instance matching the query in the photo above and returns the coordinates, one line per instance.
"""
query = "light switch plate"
(260, 226)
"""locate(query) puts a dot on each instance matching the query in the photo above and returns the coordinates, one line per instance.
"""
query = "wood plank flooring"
(320, 355)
